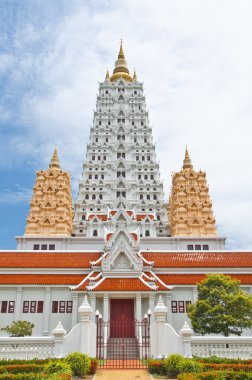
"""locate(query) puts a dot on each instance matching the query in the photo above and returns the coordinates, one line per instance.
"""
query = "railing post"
(58, 333)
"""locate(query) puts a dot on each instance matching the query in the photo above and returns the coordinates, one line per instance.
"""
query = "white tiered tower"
(120, 172)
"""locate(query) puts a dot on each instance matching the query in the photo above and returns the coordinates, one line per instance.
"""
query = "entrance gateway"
(122, 342)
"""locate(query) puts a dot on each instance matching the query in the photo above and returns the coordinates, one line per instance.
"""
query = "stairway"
(122, 348)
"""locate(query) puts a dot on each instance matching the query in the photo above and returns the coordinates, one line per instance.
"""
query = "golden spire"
(121, 52)
(107, 75)
(55, 160)
(121, 68)
(187, 163)
(135, 76)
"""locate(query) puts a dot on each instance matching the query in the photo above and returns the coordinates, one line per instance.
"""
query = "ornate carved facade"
(190, 208)
(51, 211)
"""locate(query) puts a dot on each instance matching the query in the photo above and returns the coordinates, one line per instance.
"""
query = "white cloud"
(18, 195)
(195, 60)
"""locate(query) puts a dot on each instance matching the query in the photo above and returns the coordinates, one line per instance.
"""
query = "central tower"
(121, 179)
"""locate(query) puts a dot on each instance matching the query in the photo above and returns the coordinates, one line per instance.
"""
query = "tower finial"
(107, 75)
(55, 160)
(121, 69)
(121, 52)
(134, 75)
(187, 163)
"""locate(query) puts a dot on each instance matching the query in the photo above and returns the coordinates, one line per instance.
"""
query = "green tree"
(19, 328)
(222, 307)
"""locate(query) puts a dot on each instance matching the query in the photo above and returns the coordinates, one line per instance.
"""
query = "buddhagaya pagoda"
(120, 247)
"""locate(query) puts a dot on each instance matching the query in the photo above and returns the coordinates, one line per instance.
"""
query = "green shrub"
(79, 363)
(58, 367)
(172, 365)
(157, 366)
(93, 366)
(189, 365)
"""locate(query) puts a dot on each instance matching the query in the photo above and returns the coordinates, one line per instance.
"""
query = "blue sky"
(195, 61)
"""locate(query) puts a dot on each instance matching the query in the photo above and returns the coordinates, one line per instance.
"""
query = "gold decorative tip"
(187, 163)
(55, 160)
(135, 75)
(107, 75)
(121, 69)
(121, 52)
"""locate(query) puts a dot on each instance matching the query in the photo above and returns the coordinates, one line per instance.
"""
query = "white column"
(152, 305)
(75, 298)
(168, 298)
(87, 329)
(139, 307)
(18, 303)
(92, 297)
(47, 307)
(195, 294)
(106, 307)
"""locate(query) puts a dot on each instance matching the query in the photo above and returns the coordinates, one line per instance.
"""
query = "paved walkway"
(132, 374)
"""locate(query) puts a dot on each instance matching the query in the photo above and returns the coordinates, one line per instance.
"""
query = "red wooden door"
(122, 318)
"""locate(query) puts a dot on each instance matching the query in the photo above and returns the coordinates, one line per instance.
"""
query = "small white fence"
(223, 347)
(27, 348)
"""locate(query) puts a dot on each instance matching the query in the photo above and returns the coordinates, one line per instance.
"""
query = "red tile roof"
(193, 279)
(40, 279)
(39, 259)
(110, 284)
(199, 259)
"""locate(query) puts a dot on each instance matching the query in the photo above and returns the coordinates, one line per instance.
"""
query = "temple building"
(122, 245)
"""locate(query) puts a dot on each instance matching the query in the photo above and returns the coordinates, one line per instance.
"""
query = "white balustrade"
(26, 347)
(223, 347)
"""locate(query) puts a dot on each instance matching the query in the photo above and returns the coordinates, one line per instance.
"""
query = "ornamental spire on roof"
(55, 160)
(187, 163)
(107, 75)
(121, 67)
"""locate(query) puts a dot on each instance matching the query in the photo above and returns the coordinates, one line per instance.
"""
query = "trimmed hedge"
(21, 368)
(216, 360)
(24, 361)
(216, 375)
(227, 367)
(33, 376)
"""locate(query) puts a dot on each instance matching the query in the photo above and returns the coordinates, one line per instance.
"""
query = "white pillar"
(75, 298)
(106, 307)
(152, 305)
(195, 294)
(92, 297)
(47, 307)
(18, 303)
(86, 337)
(160, 316)
(139, 307)
(58, 333)
(168, 298)
(186, 334)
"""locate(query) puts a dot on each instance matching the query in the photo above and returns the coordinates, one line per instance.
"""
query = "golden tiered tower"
(51, 211)
(190, 208)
